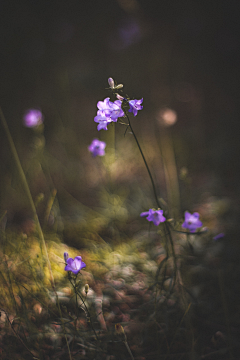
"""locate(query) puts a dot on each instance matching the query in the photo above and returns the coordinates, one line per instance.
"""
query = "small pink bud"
(119, 97)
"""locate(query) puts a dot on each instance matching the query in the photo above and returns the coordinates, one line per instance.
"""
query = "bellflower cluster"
(156, 216)
(192, 221)
(108, 112)
(73, 265)
(97, 147)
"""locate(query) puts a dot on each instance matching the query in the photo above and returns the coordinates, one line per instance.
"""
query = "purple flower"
(135, 105)
(219, 236)
(102, 125)
(192, 221)
(108, 112)
(97, 147)
(105, 107)
(116, 110)
(156, 216)
(32, 118)
(74, 265)
(102, 120)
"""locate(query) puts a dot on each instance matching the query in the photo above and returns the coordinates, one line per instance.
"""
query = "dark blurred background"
(181, 55)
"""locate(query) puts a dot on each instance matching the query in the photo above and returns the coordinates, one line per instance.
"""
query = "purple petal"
(196, 215)
(219, 236)
(69, 261)
(78, 258)
(146, 213)
(102, 125)
(187, 215)
(103, 105)
(83, 265)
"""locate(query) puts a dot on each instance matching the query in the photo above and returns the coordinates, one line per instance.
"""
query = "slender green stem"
(128, 349)
(90, 319)
(38, 226)
(166, 224)
(85, 306)
(145, 162)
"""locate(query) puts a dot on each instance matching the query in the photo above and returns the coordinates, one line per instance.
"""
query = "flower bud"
(66, 256)
(119, 329)
(120, 332)
(111, 83)
(120, 86)
(119, 97)
(86, 288)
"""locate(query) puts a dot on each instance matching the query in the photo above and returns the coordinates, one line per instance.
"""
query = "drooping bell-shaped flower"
(74, 265)
(192, 221)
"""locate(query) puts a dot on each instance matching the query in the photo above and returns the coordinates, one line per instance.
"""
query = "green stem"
(128, 349)
(145, 162)
(166, 225)
(85, 306)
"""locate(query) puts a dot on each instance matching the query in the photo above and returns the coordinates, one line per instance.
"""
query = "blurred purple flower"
(219, 236)
(74, 265)
(32, 118)
(156, 216)
(65, 256)
(192, 221)
(135, 106)
(97, 147)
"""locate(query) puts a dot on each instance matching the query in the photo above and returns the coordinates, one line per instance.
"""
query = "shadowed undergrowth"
(148, 291)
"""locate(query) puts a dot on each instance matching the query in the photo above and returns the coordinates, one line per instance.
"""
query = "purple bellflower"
(192, 221)
(105, 107)
(102, 120)
(135, 105)
(74, 265)
(117, 111)
(156, 216)
(32, 118)
(97, 147)
(108, 112)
